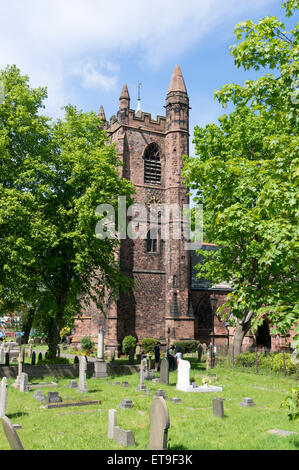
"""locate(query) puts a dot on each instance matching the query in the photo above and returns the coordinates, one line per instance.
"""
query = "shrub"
(187, 346)
(128, 343)
(148, 345)
(86, 343)
(272, 362)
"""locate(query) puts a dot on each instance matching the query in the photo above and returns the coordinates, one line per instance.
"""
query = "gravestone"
(33, 358)
(116, 383)
(175, 400)
(281, 432)
(29, 353)
(39, 396)
(141, 386)
(72, 384)
(125, 384)
(3, 395)
(112, 421)
(218, 407)
(122, 437)
(24, 382)
(159, 425)
(247, 402)
(11, 435)
(7, 358)
(183, 383)
(125, 403)
(160, 393)
(100, 366)
(16, 384)
(164, 371)
(53, 397)
(82, 375)
(199, 353)
(2, 353)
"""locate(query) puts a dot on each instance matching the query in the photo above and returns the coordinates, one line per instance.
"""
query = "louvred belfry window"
(152, 164)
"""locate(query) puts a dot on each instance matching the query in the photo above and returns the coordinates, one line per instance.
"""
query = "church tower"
(151, 151)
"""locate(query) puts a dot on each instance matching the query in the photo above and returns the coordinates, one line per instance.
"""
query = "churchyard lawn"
(192, 423)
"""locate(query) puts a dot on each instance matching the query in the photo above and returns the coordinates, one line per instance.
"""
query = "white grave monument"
(183, 383)
(3, 394)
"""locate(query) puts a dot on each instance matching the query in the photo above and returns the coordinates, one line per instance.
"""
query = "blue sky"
(84, 50)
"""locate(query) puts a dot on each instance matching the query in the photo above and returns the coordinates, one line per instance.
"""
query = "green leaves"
(246, 177)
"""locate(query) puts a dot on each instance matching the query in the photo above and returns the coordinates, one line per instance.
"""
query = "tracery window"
(152, 164)
(151, 241)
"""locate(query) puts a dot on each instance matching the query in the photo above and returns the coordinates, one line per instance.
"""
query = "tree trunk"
(242, 327)
(28, 325)
(53, 334)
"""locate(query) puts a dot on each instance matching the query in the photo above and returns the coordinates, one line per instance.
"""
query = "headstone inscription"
(11, 435)
(159, 425)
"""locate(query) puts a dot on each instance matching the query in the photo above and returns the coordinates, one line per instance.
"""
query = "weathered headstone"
(72, 384)
(11, 435)
(247, 402)
(125, 403)
(24, 382)
(175, 400)
(82, 375)
(33, 358)
(112, 421)
(39, 396)
(125, 384)
(100, 366)
(2, 353)
(3, 395)
(218, 407)
(164, 371)
(159, 425)
(16, 384)
(53, 397)
(122, 437)
(141, 386)
(161, 393)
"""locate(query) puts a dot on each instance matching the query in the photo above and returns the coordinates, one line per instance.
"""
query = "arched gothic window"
(152, 164)
(151, 241)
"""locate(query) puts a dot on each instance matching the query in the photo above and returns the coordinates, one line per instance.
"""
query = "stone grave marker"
(160, 393)
(2, 353)
(281, 432)
(125, 384)
(100, 365)
(53, 397)
(247, 402)
(112, 421)
(82, 375)
(159, 425)
(72, 384)
(183, 383)
(175, 400)
(164, 371)
(33, 358)
(24, 382)
(125, 403)
(122, 437)
(141, 386)
(3, 395)
(16, 384)
(11, 435)
(218, 407)
(39, 396)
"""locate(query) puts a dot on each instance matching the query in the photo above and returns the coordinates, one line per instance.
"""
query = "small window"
(151, 241)
(152, 164)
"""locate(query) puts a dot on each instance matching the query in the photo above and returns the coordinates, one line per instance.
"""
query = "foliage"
(53, 177)
(86, 343)
(272, 362)
(66, 331)
(187, 346)
(128, 343)
(148, 345)
(291, 402)
(246, 177)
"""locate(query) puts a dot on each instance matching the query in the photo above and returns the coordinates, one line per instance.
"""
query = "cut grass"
(192, 423)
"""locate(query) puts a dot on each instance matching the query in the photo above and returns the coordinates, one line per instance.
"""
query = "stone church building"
(168, 302)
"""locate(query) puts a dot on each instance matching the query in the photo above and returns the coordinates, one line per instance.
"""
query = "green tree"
(246, 177)
(53, 177)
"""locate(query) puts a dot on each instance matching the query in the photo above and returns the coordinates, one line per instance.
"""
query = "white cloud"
(46, 38)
